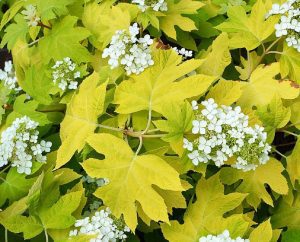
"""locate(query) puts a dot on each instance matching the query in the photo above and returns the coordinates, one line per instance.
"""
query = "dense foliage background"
(111, 132)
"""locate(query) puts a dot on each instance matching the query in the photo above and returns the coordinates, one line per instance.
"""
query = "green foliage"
(126, 130)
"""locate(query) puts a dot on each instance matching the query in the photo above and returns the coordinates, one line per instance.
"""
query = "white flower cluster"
(65, 74)
(8, 76)
(103, 226)
(289, 24)
(223, 133)
(185, 53)
(159, 5)
(19, 145)
(31, 15)
(128, 50)
(224, 237)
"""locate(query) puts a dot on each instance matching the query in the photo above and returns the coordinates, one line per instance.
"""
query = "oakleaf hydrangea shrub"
(149, 120)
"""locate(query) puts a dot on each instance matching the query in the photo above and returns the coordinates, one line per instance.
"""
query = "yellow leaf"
(263, 233)
(158, 85)
(225, 92)
(293, 164)
(103, 20)
(249, 31)
(131, 179)
(262, 87)
(290, 63)
(81, 118)
(173, 17)
(218, 58)
(205, 216)
(295, 112)
(253, 182)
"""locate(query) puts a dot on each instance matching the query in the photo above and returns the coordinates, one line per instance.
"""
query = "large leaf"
(206, 215)
(253, 182)
(81, 117)
(63, 39)
(249, 31)
(157, 85)
(131, 179)
(173, 17)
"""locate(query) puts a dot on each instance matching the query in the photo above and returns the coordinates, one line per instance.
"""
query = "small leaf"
(225, 92)
(61, 41)
(173, 16)
(263, 233)
(248, 31)
(253, 182)
(14, 32)
(218, 58)
(206, 215)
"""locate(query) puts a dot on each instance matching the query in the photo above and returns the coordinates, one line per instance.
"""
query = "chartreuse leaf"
(274, 116)
(103, 21)
(173, 17)
(295, 112)
(262, 87)
(247, 64)
(290, 63)
(158, 85)
(11, 12)
(59, 216)
(293, 164)
(218, 58)
(287, 213)
(50, 9)
(131, 179)
(81, 117)
(179, 120)
(263, 233)
(291, 235)
(206, 215)
(14, 32)
(38, 84)
(249, 31)
(63, 39)
(253, 182)
(14, 186)
(22, 107)
(225, 92)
